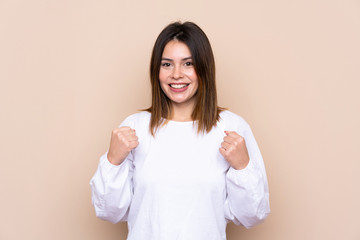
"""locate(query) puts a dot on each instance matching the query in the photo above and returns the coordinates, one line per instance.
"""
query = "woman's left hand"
(234, 150)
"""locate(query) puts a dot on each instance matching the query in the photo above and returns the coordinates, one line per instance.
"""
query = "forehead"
(176, 49)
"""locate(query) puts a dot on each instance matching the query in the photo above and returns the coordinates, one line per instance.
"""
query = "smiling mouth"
(179, 86)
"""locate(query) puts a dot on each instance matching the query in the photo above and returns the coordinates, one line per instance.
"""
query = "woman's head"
(177, 77)
(205, 110)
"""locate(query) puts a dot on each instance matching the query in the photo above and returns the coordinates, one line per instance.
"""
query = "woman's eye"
(166, 64)
(188, 64)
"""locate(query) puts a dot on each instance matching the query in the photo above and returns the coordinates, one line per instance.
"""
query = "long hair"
(206, 111)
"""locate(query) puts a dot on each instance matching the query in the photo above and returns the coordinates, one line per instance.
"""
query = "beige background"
(71, 70)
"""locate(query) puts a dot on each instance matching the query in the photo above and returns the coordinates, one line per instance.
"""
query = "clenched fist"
(234, 150)
(123, 140)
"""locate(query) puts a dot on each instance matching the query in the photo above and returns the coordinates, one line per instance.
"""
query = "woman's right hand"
(123, 140)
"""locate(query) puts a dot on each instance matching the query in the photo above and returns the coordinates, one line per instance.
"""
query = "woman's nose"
(177, 72)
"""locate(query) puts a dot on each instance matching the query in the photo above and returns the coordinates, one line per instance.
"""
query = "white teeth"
(178, 86)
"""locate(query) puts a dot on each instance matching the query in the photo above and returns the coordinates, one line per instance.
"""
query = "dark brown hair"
(206, 111)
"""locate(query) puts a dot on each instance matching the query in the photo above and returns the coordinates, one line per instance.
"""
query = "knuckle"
(127, 145)
(122, 138)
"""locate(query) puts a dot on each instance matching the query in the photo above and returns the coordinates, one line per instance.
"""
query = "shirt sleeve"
(111, 189)
(112, 186)
(247, 201)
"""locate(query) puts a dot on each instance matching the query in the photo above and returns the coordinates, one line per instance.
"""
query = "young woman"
(184, 167)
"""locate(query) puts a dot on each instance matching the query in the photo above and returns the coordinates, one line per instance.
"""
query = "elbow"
(258, 215)
(111, 214)
(255, 219)
(108, 217)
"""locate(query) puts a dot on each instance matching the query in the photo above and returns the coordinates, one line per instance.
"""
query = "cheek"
(162, 76)
(193, 75)
(195, 79)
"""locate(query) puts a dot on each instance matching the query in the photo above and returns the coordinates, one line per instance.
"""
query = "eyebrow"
(171, 60)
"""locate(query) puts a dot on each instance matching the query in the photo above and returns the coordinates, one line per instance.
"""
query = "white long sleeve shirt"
(177, 185)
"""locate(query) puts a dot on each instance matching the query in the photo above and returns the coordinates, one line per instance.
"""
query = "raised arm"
(247, 201)
(112, 186)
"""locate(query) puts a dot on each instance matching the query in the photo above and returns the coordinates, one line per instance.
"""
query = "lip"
(179, 89)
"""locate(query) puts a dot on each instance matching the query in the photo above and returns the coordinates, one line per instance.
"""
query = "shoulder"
(233, 122)
(229, 116)
(137, 119)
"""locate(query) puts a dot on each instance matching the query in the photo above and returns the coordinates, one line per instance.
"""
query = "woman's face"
(177, 75)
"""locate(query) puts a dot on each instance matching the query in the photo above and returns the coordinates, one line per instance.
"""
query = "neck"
(182, 112)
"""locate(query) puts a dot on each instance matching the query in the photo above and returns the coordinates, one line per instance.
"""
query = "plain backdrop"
(72, 70)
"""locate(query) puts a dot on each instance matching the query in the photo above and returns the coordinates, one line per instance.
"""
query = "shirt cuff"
(247, 176)
(107, 166)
